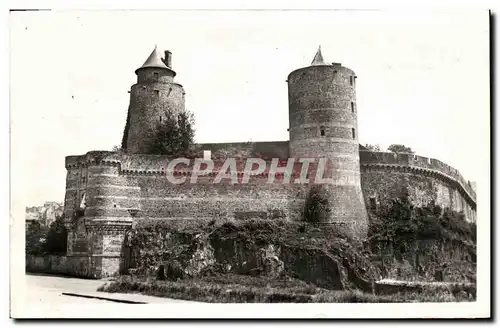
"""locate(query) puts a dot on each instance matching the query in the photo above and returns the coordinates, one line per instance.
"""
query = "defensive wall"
(385, 176)
(115, 184)
(107, 191)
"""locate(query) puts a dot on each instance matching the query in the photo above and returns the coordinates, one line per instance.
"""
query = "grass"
(233, 288)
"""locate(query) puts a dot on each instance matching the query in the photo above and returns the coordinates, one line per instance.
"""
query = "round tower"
(154, 96)
(323, 124)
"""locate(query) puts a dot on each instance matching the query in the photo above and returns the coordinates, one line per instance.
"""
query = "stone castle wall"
(385, 176)
(75, 266)
(117, 186)
(122, 186)
(116, 189)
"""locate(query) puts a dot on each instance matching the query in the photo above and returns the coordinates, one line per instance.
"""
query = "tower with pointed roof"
(152, 98)
(323, 124)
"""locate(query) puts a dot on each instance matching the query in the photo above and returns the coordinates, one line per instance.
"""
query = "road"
(44, 289)
(43, 296)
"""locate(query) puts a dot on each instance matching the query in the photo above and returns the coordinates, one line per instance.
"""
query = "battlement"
(416, 162)
(138, 164)
(141, 164)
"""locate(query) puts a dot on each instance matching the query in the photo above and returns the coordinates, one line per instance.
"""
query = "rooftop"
(318, 58)
(154, 60)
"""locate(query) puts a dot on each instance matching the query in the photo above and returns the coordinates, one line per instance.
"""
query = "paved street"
(43, 289)
(41, 296)
(47, 289)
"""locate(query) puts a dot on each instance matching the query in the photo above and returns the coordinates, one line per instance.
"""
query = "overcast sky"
(423, 80)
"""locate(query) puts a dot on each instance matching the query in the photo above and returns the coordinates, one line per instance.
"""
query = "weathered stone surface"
(315, 266)
(77, 266)
(323, 123)
(428, 260)
(230, 248)
(154, 96)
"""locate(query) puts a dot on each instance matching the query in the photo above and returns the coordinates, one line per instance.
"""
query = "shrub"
(244, 289)
(400, 228)
(118, 149)
(403, 222)
(317, 205)
(373, 147)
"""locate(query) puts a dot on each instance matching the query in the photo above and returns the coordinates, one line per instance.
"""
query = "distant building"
(44, 214)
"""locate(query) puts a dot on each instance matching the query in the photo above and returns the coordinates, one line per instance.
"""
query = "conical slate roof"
(154, 60)
(318, 58)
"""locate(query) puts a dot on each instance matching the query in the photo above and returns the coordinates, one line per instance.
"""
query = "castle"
(106, 192)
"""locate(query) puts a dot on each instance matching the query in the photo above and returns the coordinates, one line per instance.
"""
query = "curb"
(104, 298)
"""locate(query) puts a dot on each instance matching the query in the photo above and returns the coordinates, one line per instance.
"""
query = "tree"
(57, 236)
(173, 135)
(186, 129)
(125, 131)
(397, 148)
(35, 236)
(372, 147)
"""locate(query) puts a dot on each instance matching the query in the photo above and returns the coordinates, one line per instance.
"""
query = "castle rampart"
(119, 183)
(423, 165)
(385, 176)
(107, 191)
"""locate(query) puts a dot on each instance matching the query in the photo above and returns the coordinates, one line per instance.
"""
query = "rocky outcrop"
(257, 248)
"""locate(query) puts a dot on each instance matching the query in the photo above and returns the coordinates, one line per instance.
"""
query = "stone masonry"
(107, 191)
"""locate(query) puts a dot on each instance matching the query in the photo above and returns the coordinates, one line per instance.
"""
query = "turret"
(323, 124)
(154, 96)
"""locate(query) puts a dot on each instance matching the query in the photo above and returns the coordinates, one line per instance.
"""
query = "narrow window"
(160, 119)
(353, 133)
(352, 80)
(322, 131)
(207, 154)
(352, 106)
(157, 92)
(373, 203)
(156, 76)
